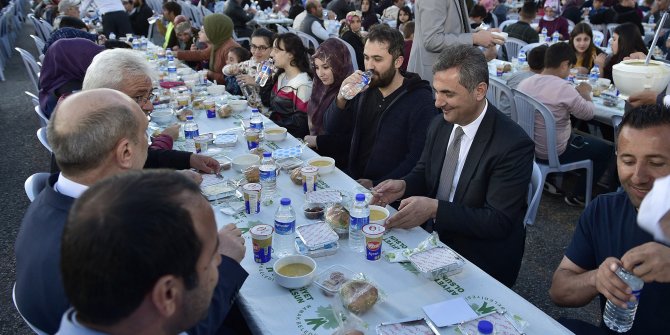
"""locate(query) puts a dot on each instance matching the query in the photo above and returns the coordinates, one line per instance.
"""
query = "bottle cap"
(285, 201)
(485, 327)
(360, 197)
(267, 154)
(189, 117)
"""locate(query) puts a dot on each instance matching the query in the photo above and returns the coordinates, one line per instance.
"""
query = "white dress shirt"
(469, 132)
(104, 6)
(68, 187)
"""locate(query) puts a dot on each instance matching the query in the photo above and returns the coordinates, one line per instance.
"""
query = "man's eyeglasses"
(142, 99)
(259, 47)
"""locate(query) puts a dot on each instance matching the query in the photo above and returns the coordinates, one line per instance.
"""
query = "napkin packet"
(431, 258)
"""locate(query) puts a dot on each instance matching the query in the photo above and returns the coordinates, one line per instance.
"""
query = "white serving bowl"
(162, 116)
(323, 169)
(632, 76)
(275, 134)
(244, 161)
(216, 89)
(294, 282)
(238, 106)
(381, 209)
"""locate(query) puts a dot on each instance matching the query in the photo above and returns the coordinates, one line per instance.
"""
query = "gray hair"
(112, 68)
(470, 61)
(83, 146)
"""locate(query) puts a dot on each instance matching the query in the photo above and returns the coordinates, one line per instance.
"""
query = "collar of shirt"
(68, 187)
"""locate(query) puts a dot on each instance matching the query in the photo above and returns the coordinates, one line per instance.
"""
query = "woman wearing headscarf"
(332, 63)
(217, 33)
(369, 15)
(68, 32)
(351, 33)
(553, 21)
(63, 70)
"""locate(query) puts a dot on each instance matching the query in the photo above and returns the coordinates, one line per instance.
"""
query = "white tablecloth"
(271, 309)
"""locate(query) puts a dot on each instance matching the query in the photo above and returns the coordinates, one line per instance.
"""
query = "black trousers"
(116, 22)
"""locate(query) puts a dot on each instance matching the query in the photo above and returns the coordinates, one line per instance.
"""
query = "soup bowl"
(294, 263)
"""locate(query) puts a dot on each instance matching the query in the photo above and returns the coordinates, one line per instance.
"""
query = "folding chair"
(39, 44)
(497, 89)
(35, 329)
(512, 47)
(43, 118)
(507, 23)
(42, 136)
(307, 40)
(32, 67)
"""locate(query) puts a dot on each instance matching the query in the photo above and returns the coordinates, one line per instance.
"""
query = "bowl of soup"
(238, 106)
(324, 164)
(378, 214)
(275, 134)
(294, 271)
(633, 76)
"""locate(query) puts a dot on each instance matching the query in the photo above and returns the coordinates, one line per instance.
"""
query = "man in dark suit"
(477, 201)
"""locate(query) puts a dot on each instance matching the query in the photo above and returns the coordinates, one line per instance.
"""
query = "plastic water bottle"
(190, 128)
(652, 19)
(265, 72)
(555, 36)
(544, 35)
(521, 58)
(143, 43)
(598, 41)
(360, 216)
(256, 121)
(172, 71)
(112, 36)
(169, 55)
(268, 175)
(621, 319)
(594, 75)
(350, 90)
(284, 238)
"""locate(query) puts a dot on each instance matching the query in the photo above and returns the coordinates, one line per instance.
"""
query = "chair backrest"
(46, 28)
(39, 44)
(528, 47)
(526, 107)
(32, 67)
(597, 34)
(35, 329)
(571, 25)
(43, 118)
(507, 23)
(352, 52)
(495, 20)
(497, 89)
(534, 195)
(42, 136)
(512, 46)
(512, 16)
(281, 29)
(307, 40)
(35, 184)
(610, 30)
(33, 98)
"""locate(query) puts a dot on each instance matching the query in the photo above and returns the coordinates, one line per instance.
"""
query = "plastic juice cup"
(373, 241)
(309, 175)
(183, 100)
(201, 143)
(500, 68)
(261, 239)
(252, 198)
(210, 107)
(253, 137)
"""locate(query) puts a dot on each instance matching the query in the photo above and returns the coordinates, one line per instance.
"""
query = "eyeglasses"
(259, 47)
(142, 100)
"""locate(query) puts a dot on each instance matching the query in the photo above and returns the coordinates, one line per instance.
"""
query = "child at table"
(235, 56)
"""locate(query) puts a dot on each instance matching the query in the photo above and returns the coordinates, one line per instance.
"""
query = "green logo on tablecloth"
(483, 305)
(301, 295)
(312, 318)
(320, 184)
(266, 271)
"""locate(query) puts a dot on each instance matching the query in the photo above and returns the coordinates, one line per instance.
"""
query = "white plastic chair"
(352, 52)
(43, 118)
(507, 23)
(307, 40)
(599, 34)
(512, 47)
(35, 184)
(534, 195)
(281, 29)
(39, 44)
(571, 25)
(512, 16)
(240, 39)
(495, 20)
(35, 329)
(528, 47)
(32, 67)
(526, 106)
(610, 30)
(33, 98)
(42, 136)
(497, 89)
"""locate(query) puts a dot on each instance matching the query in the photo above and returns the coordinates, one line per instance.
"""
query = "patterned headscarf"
(68, 32)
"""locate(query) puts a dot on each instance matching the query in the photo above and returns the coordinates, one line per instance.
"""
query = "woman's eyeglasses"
(259, 47)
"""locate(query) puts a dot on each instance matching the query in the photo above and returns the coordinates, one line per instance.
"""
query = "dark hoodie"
(628, 14)
(400, 133)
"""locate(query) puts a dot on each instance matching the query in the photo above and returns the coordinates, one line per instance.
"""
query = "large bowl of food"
(294, 271)
(633, 76)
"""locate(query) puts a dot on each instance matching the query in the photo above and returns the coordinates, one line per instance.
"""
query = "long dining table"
(272, 309)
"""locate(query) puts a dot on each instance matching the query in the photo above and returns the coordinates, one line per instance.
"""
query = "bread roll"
(358, 296)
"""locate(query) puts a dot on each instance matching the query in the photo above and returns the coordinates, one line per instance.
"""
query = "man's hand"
(413, 212)
(610, 285)
(231, 242)
(311, 141)
(245, 79)
(584, 90)
(650, 262)
(646, 97)
(636, 55)
(190, 174)
(172, 131)
(387, 192)
(486, 39)
(205, 164)
(367, 183)
(354, 78)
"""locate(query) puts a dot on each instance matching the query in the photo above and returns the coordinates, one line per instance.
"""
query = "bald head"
(87, 127)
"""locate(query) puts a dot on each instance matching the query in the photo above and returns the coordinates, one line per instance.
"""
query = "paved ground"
(24, 155)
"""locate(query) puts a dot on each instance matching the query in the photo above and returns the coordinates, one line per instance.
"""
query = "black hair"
(478, 11)
(172, 7)
(557, 53)
(268, 35)
(293, 45)
(646, 116)
(241, 53)
(115, 44)
(528, 10)
(629, 41)
(405, 9)
(382, 33)
(72, 22)
(536, 57)
(121, 236)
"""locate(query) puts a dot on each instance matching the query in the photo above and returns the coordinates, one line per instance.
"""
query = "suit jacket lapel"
(477, 149)
(441, 145)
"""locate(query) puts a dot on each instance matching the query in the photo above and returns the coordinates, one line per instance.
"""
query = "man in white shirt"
(473, 175)
(312, 24)
(115, 19)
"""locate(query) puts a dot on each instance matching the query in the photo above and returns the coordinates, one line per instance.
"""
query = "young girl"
(236, 55)
(581, 40)
(404, 15)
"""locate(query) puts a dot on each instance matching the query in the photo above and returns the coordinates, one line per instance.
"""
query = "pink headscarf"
(489, 5)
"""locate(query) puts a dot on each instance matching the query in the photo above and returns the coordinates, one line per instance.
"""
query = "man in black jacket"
(473, 175)
(240, 17)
